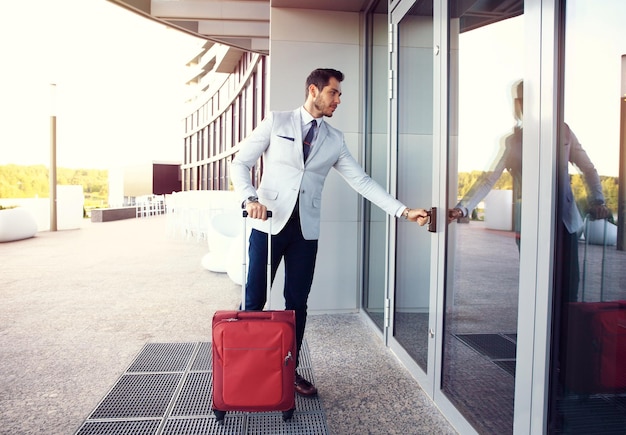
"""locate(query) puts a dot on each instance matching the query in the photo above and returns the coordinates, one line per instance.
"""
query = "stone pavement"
(77, 307)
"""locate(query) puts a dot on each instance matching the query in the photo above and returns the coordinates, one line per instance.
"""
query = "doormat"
(168, 390)
(499, 348)
(597, 414)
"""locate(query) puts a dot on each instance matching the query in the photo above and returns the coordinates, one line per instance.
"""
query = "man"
(294, 171)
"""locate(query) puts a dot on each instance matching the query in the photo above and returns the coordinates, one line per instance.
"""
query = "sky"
(490, 62)
(119, 85)
(596, 42)
(491, 59)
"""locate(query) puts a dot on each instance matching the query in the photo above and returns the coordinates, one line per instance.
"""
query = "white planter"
(17, 224)
(594, 232)
(499, 210)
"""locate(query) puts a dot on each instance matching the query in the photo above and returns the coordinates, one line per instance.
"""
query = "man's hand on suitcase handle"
(256, 210)
(599, 211)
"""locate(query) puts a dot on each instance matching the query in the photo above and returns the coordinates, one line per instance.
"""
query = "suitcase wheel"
(288, 414)
(219, 416)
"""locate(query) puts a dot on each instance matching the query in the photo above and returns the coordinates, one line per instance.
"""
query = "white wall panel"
(290, 64)
(334, 285)
(302, 40)
(305, 25)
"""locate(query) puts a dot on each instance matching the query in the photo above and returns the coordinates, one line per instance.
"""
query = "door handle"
(432, 222)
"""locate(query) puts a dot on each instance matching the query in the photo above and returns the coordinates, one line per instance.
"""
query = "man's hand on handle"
(418, 215)
(256, 210)
(454, 214)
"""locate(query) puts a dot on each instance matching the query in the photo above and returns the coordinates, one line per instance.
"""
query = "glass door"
(480, 307)
(456, 134)
(412, 152)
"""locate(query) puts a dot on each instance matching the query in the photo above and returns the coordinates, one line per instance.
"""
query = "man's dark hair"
(320, 78)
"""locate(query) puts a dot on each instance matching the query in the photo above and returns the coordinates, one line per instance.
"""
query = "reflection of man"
(293, 178)
(511, 159)
(572, 151)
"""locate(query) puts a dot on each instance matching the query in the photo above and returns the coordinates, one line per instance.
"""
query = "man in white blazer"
(291, 187)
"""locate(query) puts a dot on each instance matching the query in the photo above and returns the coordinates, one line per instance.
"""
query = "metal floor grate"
(508, 365)
(138, 396)
(494, 346)
(501, 349)
(163, 357)
(204, 358)
(204, 425)
(167, 389)
(597, 414)
(134, 427)
(195, 396)
(300, 424)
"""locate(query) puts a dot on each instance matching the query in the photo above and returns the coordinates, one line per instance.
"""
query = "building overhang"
(245, 24)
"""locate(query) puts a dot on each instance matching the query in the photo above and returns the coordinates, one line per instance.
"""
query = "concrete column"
(53, 158)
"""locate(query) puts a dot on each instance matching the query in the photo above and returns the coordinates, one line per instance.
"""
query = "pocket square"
(286, 137)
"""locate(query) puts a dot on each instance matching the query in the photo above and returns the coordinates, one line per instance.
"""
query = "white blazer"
(573, 152)
(285, 175)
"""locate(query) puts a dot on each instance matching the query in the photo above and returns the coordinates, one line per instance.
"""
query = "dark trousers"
(299, 256)
(568, 262)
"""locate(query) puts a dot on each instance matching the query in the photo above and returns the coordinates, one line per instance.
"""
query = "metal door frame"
(425, 379)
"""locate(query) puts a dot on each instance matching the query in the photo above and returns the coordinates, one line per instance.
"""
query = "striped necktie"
(306, 144)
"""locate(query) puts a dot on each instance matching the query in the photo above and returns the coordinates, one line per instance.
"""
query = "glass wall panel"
(589, 365)
(484, 189)
(376, 162)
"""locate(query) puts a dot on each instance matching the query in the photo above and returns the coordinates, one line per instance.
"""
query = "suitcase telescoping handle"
(588, 220)
(245, 256)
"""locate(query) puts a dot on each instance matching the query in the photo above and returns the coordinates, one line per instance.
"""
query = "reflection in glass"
(484, 189)
(589, 367)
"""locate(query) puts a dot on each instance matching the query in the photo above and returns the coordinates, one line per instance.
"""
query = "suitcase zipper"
(287, 358)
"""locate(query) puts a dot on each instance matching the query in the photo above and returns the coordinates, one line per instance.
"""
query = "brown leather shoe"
(304, 387)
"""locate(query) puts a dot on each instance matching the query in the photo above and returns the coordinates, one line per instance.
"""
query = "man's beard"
(320, 106)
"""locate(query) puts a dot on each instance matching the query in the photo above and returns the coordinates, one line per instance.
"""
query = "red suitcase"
(596, 349)
(254, 357)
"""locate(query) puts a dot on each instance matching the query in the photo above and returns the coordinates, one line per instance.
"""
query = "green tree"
(610, 187)
(467, 180)
(34, 181)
